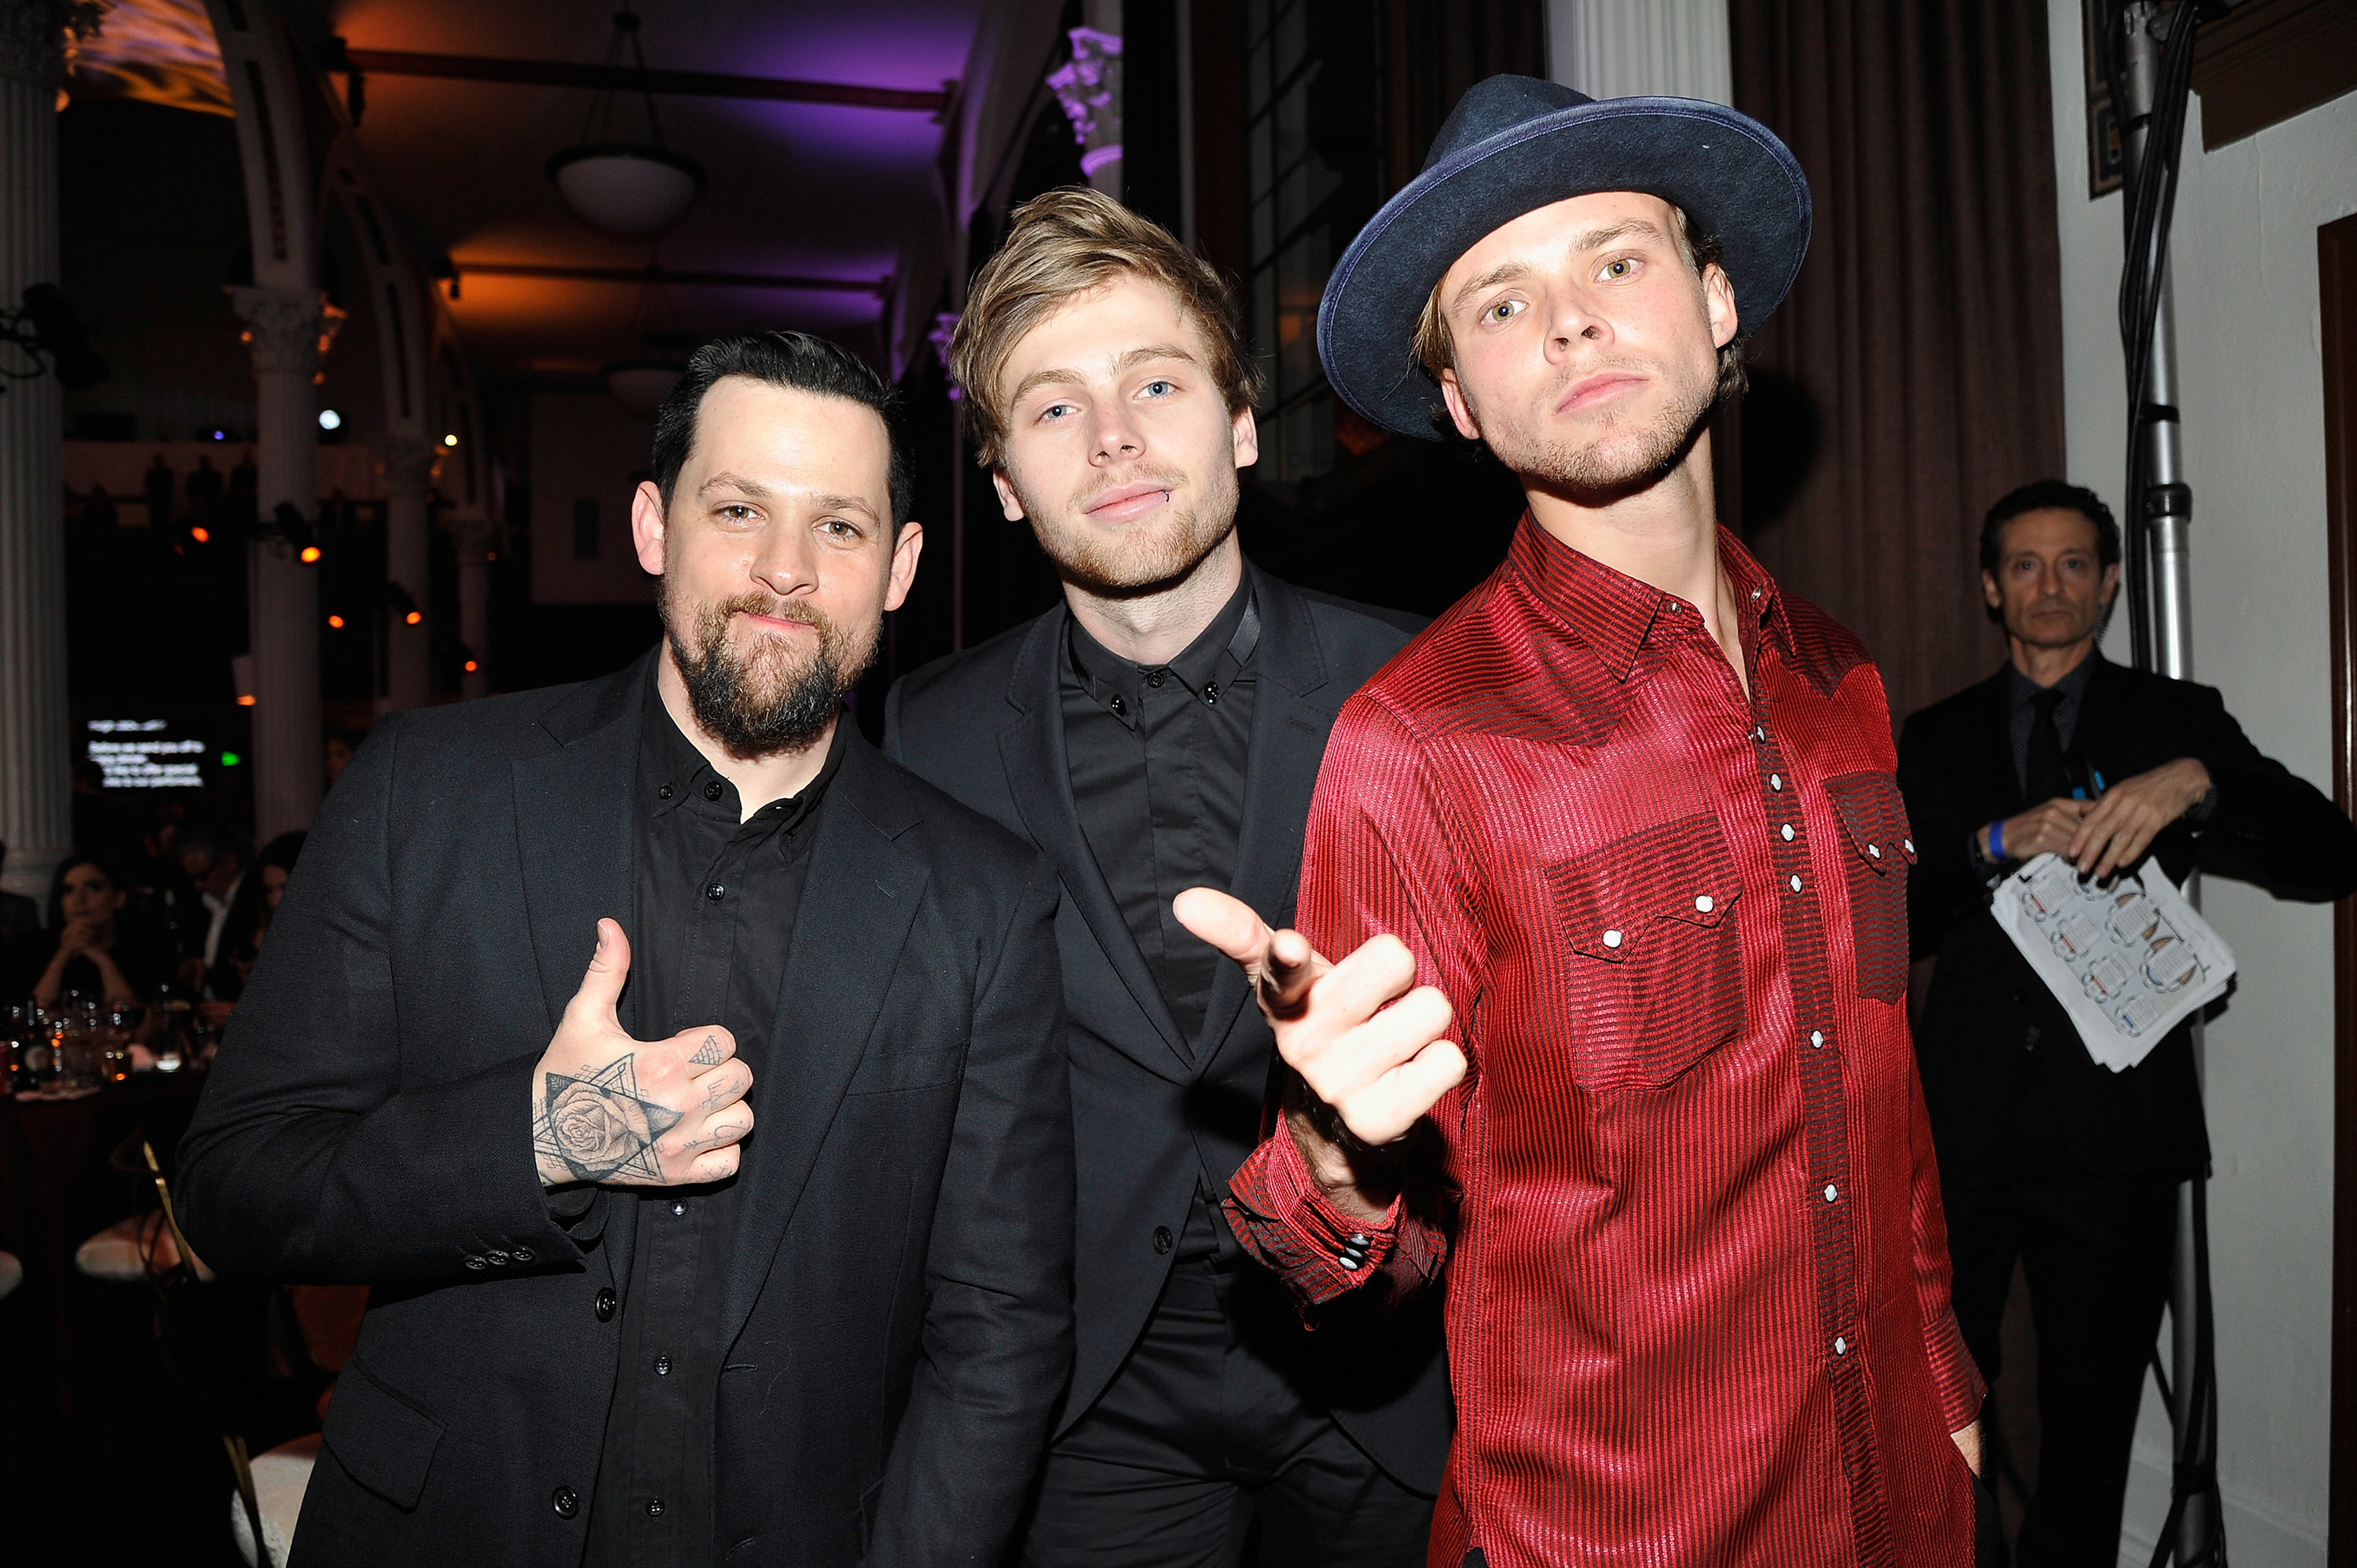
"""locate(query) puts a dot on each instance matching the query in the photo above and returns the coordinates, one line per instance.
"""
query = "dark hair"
(214, 843)
(58, 884)
(794, 360)
(2045, 495)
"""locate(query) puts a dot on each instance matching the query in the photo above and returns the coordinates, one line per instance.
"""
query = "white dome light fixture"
(641, 385)
(616, 186)
(330, 420)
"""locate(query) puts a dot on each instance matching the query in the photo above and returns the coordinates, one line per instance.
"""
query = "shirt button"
(604, 1307)
(1841, 1347)
(1910, 843)
(1775, 781)
(565, 1501)
(665, 794)
(1611, 939)
(1162, 1240)
(1703, 904)
(1155, 680)
(1832, 1192)
(715, 892)
(1875, 850)
(712, 792)
(677, 1209)
(1788, 833)
(654, 1508)
(1817, 1040)
(1796, 885)
(662, 1365)
(1760, 731)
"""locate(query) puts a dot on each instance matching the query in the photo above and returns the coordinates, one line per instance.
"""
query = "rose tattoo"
(599, 1128)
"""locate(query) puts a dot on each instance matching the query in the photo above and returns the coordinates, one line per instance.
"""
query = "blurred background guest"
(215, 860)
(91, 947)
(98, 508)
(160, 484)
(204, 490)
(250, 914)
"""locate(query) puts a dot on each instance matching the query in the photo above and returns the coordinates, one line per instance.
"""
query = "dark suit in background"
(1177, 1332)
(896, 1316)
(2044, 1154)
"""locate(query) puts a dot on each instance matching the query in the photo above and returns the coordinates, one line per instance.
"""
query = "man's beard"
(765, 702)
(1620, 461)
(1136, 559)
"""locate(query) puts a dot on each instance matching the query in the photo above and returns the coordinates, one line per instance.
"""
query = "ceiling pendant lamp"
(641, 385)
(619, 187)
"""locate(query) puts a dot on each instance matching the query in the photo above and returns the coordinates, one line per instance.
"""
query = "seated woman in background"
(89, 948)
(250, 914)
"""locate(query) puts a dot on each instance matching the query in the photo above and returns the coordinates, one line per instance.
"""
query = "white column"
(36, 758)
(408, 470)
(283, 327)
(475, 605)
(1626, 48)
(1089, 88)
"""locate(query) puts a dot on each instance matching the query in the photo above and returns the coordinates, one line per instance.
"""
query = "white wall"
(2249, 335)
(584, 447)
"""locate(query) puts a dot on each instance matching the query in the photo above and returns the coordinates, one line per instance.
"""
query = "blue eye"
(1159, 388)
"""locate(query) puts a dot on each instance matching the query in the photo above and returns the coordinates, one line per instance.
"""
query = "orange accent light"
(310, 556)
(201, 535)
(336, 621)
(415, 616)
(472, 667)
(246, 701)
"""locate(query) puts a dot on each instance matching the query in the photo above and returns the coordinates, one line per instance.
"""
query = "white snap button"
(1911, 846)
(1611, 939)
(1875, 850)
(1775, 781)
(1832, 1192)
(1702, 905)
(1841, 1347)
(1788, 833)
(1817, 1039)
(1796, 885)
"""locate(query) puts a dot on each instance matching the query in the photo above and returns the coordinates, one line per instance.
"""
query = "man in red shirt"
(1630, 807)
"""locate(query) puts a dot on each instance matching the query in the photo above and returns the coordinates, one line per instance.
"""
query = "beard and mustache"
(765, 699)
(1144, 556)
(1622, 459)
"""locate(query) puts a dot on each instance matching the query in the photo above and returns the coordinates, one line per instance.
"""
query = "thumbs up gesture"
(624, 1112)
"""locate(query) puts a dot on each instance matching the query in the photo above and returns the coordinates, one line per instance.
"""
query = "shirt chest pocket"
(1878, 849)
(1656, 962)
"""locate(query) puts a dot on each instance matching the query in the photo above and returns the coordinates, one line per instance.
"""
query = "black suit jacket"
(1988, 1011)
(1150, 1110)
(898, 1319)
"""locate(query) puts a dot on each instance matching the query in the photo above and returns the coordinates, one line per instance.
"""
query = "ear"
(905, 550)
(1243, 432)
(1460, 410)
(1718, 301)
(1990, 592)
(1007, 502)
(2110, 585)
(648, 530)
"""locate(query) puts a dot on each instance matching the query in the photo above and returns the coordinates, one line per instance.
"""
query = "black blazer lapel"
(1990, 744)
(1290, 724)
(1040, 777)
(573, 827)
(857, 904)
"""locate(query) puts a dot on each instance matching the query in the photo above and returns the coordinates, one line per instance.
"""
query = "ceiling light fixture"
(619, 187)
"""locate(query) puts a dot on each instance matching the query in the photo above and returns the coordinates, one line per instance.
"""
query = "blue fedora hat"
(1515, 144)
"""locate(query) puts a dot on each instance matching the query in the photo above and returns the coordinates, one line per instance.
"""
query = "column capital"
(282, 326)
(33, 37)
(1089, 88)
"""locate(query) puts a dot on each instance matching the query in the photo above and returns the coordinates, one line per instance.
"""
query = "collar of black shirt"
(1219, 653)
(673, 774)
(2020, 690)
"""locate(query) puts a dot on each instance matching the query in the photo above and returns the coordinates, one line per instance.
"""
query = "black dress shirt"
(1158, 758)
(2021, 692)
(717, 900)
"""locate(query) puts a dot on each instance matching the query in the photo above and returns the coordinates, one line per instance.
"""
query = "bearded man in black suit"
(614, 1318)
(2044, 1154)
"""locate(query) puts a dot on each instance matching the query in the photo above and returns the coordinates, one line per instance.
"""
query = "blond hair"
(1437, 351)
(1065, 244)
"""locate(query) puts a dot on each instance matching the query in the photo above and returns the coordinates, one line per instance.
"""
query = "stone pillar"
(35, 755)
(1089, 88)
(475, 605)
(409, 670)
(1623, 48)
(283, 327)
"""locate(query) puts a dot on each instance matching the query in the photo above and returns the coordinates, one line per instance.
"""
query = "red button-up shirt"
(1696, 1270)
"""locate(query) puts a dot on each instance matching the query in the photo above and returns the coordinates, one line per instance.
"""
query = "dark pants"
(1198, 1434)
(2095, 1251)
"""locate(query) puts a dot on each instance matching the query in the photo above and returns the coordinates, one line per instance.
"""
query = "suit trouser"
(1198, 1434)
(2095, 1251)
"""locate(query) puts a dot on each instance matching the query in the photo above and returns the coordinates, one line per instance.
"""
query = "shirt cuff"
(1955, 1380)
(1281, 1218)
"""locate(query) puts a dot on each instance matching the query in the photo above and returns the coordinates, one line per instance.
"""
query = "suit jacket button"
(606, 1304)
(565, 1501)
(522, 1255)
(473, 1262)
(1162, 1240)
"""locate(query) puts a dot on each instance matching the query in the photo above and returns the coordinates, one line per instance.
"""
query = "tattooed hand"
(624, 1112)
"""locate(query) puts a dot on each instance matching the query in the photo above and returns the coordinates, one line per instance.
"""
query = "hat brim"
(1734, 179)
